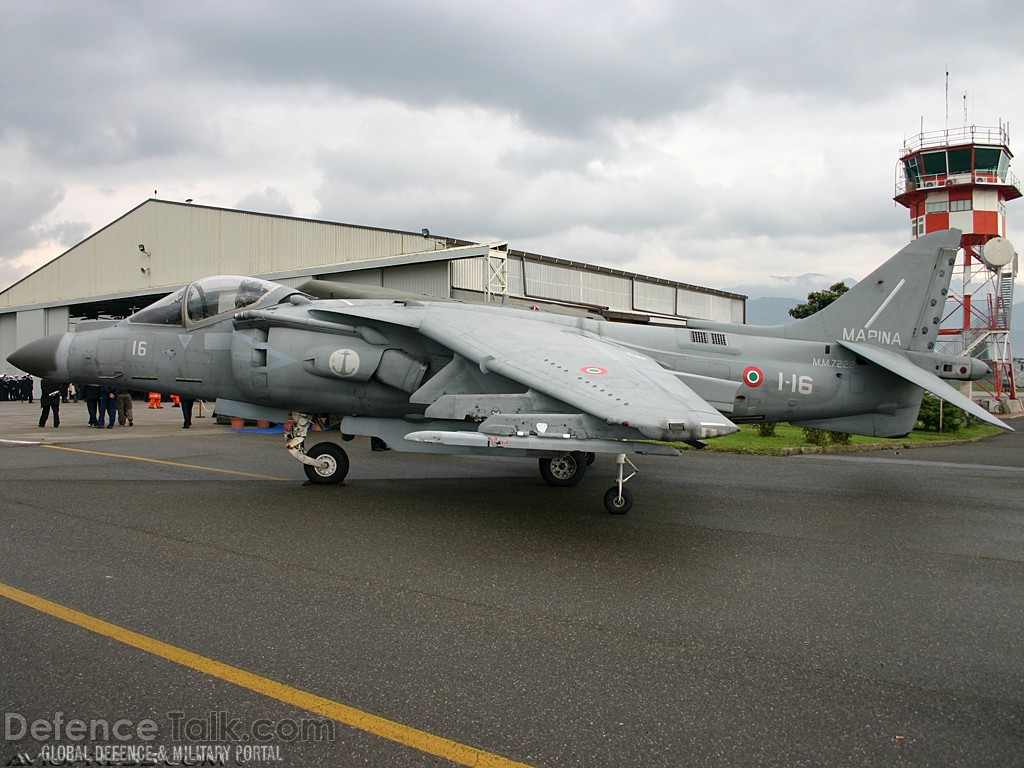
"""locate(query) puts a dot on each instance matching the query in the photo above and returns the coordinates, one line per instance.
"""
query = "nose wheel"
(325, 463)
(331, 465)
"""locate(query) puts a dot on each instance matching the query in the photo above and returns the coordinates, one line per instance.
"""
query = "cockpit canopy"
(204, 299)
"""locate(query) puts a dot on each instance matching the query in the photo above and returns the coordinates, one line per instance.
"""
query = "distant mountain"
(792, 286)
(770, 302)
(770, 310)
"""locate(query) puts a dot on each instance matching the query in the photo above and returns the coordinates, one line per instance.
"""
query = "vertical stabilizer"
(898, 306)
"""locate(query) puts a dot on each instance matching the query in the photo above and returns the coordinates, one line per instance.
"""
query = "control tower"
(961, 178)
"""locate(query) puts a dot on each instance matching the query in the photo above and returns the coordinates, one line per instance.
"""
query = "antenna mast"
(947, 97)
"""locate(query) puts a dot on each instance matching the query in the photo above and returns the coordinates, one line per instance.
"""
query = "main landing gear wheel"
(565, 470)
(331, 467)
(617, 501)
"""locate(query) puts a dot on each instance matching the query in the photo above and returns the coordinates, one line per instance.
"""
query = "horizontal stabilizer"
(905, 369)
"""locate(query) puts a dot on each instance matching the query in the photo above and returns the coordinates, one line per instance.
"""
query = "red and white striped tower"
(960, 178)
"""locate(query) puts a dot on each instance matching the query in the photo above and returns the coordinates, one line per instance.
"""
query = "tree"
(942, 417)
(818, 300)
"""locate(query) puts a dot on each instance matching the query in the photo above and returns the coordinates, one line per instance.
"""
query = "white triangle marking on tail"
(885, 303)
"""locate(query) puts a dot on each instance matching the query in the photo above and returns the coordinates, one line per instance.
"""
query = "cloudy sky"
(731, 144)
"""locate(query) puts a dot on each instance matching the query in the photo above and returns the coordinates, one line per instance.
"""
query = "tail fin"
(899, 305)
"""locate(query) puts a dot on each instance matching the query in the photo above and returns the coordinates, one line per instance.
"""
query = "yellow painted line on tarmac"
(342, 713)
(167, 463)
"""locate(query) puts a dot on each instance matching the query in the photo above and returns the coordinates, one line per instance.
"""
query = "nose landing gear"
(326, 463)
(331, 464)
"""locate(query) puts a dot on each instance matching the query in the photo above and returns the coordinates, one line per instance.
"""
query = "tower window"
(934, 163)
(987, 159)
(960, 160)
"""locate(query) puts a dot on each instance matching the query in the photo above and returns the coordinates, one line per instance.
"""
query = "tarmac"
(861, 609)
(19, 421)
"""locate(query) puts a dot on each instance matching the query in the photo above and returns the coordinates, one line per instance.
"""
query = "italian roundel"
(753, 376)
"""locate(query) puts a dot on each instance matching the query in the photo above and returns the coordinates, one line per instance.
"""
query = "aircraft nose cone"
(38, 357)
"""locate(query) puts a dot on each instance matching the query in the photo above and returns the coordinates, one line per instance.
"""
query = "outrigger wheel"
(619, 499)
(331, 466)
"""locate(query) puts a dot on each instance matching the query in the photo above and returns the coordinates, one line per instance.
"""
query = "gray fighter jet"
(446, 377)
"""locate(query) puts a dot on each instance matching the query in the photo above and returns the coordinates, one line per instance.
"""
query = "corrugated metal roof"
(182, 241)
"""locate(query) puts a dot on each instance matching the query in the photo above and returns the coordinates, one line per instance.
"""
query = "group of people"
(108, 403)
(104, 404)
(15, 388)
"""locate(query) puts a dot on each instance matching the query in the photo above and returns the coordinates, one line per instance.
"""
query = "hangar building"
(160, 245)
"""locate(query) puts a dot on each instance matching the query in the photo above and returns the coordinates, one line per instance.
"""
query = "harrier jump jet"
(445, 377)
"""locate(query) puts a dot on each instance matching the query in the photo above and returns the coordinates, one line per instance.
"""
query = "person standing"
(49, 401)
(108, 407)
(125, 410)
(186, 411)
(91, 393)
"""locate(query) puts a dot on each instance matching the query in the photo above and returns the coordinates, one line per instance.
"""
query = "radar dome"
(998, 252)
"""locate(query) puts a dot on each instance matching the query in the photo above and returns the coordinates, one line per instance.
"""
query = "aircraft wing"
(902, 367)
(603, 379)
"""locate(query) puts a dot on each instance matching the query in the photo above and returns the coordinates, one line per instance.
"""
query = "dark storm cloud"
(21, 206)
(566, 66)
(531, 120)
(563, 67)
(92, 88)
(120, 80)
